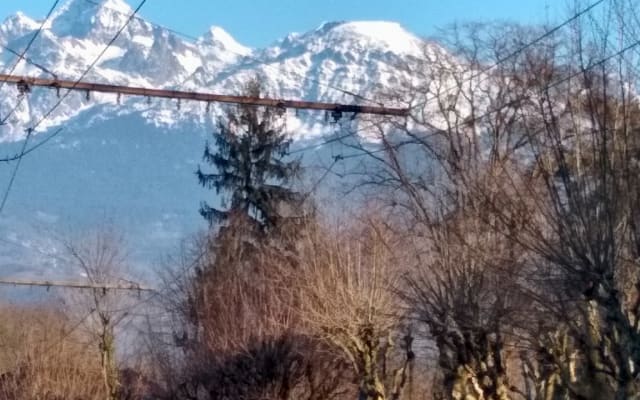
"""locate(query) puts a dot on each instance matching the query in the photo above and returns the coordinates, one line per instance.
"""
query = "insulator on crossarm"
(148, 100)
(208, 108)
(87, 95)
(179, 104)
(119, 98)
(23, 87)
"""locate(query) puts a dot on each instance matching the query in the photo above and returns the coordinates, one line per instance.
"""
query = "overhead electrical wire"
(29, 61)
(513, 102)
(519, 50)
(501, 60)
(35, 147)
(32, 128)
(25, 151)
(14, 172)
(334, 139)
(90, 67)
(21, 55)
(329, 141)
(254, 59)
(176, 32)
(23, 95)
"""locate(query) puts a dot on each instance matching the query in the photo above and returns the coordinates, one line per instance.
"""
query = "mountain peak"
(18, 25)
(79, 18)
(115, 5)
(119, 6)
(388, 34)
(222, 39)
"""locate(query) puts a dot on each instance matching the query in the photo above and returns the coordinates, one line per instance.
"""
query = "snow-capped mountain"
(133, 159)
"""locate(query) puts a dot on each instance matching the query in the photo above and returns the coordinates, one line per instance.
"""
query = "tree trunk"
(108, 363)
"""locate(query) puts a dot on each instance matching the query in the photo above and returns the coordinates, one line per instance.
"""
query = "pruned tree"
(583, 134)
(346, 289)
(537, 146)
(440, 172)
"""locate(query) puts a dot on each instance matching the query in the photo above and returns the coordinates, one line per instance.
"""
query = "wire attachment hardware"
(23, 87)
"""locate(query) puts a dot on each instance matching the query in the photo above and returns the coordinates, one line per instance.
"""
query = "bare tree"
(582, 135)
(347, 297)
(534, 151)
(101, 256)
(441, 173)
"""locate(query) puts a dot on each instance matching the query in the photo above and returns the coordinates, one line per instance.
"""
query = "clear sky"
(257, 23)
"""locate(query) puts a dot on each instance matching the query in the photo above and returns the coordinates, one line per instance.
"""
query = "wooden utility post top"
(25, 82)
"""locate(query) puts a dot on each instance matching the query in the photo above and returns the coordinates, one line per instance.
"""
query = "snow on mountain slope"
(346, 55)
(358, 57)
(219, 38)
(100, 22)
(134, 160)
(17, 25)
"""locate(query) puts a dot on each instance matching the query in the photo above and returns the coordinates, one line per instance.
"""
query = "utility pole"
(25, 82)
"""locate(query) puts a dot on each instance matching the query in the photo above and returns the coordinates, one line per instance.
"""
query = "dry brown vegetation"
(42, 357)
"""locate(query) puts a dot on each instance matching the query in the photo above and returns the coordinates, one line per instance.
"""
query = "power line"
(486, 69)
(22, 95)
(22, 56)
(31, 129)
(70, 331)
(326, 173)
(77, 285)
(324, 143)
(254, 59)
(519, 50)
(13, 109)
(32, 40)
(12, 179)
(93, 64)
(29, 61)
(35, 147)
(328, 141)
(519, 99)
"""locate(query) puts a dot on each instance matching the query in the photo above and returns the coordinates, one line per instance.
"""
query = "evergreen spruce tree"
(257, 223)
(250, 170)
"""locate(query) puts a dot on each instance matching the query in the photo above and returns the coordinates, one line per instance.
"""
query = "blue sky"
(257, 23)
